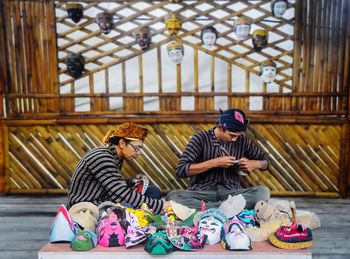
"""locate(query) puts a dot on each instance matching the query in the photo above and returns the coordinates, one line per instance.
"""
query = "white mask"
(236, 239)
(212, 228)
(242, 31)
(209, 39)
(279, 8)
(176, 55)
(268, 74)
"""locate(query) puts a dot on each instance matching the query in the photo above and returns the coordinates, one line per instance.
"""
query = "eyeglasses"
(137, 148)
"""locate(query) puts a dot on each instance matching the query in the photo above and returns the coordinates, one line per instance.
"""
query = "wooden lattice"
(102, 52)
(304, 158)
(310, 45)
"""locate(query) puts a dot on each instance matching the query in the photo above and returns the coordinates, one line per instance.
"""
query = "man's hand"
(224, 161)
(166, 205)
(250, 165)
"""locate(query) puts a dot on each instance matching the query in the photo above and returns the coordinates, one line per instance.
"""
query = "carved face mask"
(242, 28)
(85, 240)
(212, 224)
(105, 22)
(236, 239)
(175, 51)
(75, 65)
(268, 71)
(109, 231)
(144, 37)
(185, 238)
(158, 244)
(279, 7)
(209, 36)
(75, 11)
(260, 38)
(173, 25)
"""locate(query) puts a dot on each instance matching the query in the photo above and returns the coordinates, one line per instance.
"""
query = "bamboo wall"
(43, 171)
(307, 158)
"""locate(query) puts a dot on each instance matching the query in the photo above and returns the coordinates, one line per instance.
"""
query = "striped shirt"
(97, 178)
(204, 146)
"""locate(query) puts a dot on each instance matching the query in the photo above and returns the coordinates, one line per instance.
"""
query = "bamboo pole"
(159, 66)
(4, 158)
(196, 79)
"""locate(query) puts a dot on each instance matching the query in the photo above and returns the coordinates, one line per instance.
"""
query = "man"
(213, 160)
(97, 177)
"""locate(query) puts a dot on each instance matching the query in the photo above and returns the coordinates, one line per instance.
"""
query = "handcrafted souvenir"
(136, 235)
(260, 38)
(173, 25)
(143, 217)
(144, 37)
(85, 240)
(293, 236)
(236, 239)
(75, 11)
(213, 223)
(185, 238)
(264, 212)
(170, 214)
(242, 28)
(269, 220)
(209, 36)
(109, 231)
(105, 22)
(85, 214)
(175, 51)
(233, 205)
(102, 208)
(268, 71)
(62, 228)
(139, 183)
(181, 211)
(75, 65)
(159, 244)
(279, 7)
(159, 221)
(246, 218)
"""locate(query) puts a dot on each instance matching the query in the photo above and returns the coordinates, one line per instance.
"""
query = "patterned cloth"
(128, 131)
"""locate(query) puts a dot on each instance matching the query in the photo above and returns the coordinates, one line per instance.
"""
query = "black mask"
(75, 11)
(259, 42)
(143, 37)
(105, 22)
(75, 65)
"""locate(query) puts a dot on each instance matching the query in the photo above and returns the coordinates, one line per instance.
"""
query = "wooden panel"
(305, 159)
(313, 74)
(32, 59)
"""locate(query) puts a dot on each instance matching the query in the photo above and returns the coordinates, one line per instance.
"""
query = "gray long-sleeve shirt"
(97, 178)
(204, 146)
